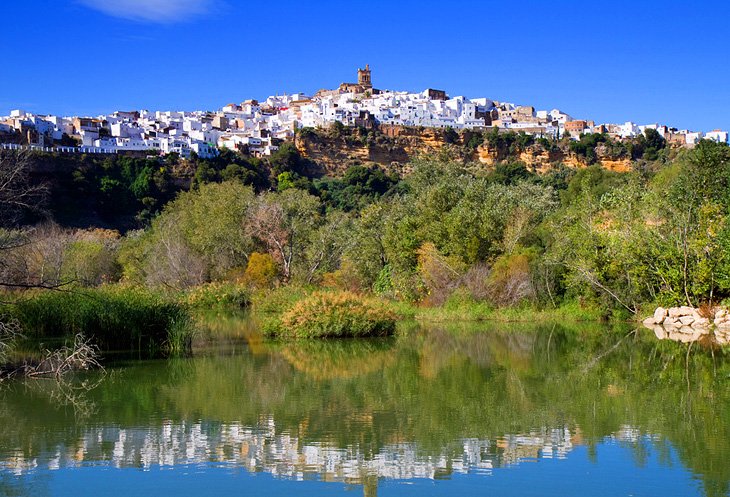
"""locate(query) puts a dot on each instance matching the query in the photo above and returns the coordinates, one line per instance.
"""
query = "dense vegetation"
(451, 233)
(333, 315)
(117, 318)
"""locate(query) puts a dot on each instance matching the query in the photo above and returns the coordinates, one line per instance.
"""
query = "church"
(364, 85)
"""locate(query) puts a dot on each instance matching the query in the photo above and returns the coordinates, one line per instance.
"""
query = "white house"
(717, 136)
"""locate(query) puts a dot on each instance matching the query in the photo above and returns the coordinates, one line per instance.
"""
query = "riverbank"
(114, 317)
(272, 304)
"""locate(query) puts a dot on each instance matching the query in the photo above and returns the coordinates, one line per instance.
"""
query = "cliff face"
(392, 147)
(541, 160)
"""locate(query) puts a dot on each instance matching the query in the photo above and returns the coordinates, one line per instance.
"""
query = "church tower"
(363, 77)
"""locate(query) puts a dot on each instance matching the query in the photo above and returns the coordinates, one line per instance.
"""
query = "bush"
(115, 318)
(217, 294)
(267, 302)
(334, 314)
(261, 271)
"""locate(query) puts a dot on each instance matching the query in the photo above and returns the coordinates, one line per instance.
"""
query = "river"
(439, 410)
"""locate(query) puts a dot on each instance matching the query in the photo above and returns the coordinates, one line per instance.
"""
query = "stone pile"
(687, 324)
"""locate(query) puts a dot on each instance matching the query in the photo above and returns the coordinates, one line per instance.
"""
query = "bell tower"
(363, 77)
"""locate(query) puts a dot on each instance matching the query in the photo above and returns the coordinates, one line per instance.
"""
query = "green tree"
(283, 223)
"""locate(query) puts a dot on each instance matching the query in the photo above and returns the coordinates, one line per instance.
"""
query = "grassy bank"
(308, 312)
(115, 318)
(465, 310)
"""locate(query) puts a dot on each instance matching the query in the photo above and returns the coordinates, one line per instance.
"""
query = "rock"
(686, 320)
(720, 314)
(678, 336)
(649, 322)
(723, 324)
(660, 314)
(686, 310)
(660, 332)
(670, 322)
(701, 323)
(697, 315)
(722, 337)
(674, 312)
(687, 330)
(721, 319)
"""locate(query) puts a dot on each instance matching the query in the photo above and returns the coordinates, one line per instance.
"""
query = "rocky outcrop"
(392, 147)
(688, 324)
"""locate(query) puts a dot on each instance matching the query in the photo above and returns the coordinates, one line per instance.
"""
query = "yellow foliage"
(345, 278)
(336, 314)
(261, 271)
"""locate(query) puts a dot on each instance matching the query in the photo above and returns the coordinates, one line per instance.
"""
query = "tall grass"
(115, 318)
(461, 308)
(217, 295)
(333, 315)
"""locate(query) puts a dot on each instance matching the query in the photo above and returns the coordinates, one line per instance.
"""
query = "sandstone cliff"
(392, 147)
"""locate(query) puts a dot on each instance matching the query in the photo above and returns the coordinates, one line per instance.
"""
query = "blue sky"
(643, 60)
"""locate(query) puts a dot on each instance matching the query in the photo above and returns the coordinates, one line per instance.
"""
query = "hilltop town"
(260, 127)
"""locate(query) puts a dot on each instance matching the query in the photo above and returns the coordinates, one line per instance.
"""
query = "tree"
(201, 231)
(17, 193)
(283, 222)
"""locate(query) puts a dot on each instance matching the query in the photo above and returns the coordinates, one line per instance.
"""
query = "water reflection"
(264, 449)
(686, 334)
(432, 403)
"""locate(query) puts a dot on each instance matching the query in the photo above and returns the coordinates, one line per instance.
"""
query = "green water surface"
(438, 410)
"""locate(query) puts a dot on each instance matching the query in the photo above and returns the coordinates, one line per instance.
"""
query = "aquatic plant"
(114, 317)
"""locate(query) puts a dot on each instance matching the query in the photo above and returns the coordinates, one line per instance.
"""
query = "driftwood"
(82, 355)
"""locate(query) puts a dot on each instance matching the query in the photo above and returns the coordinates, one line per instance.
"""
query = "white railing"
(65, 150)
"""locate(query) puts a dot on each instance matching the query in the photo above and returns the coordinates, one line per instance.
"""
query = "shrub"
(334, 314)
(267, 302)
(510, 281)
(261, 271)
(217, 294)
(115, 318)
(440, 274)
(344, 278)
(91, 259)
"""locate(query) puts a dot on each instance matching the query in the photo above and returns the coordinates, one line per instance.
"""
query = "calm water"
(450, 410)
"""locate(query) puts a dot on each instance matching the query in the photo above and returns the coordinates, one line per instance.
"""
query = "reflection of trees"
(427, 392)
(332, 359)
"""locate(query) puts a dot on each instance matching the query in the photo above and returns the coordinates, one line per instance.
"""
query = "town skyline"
(259, 127)
(202, 54)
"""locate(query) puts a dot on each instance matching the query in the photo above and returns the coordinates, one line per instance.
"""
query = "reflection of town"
(261, 449)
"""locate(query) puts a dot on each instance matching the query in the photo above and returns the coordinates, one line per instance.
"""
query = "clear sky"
(612, 61)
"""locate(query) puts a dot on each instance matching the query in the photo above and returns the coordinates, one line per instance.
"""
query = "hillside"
(392, 147)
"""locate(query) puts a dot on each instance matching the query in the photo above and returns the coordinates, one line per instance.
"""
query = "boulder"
(686, 310)
(660, 332)
(674, 312)
(686, 320)
(720, 314)
(670, 322)
(649, 322)
(660, 314)
(701, 323)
